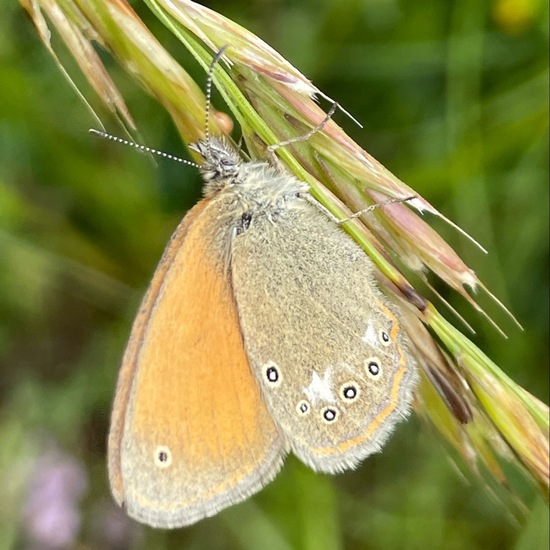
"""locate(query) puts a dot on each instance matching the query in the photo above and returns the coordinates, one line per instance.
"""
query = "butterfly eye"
(384, 338)
(163, 456)
(349, 391)
(246, 218)
(373, 368)
(272, 374)
(303, 408)
(329, 414)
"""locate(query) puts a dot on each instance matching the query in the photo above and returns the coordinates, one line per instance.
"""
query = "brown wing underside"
(310, 309)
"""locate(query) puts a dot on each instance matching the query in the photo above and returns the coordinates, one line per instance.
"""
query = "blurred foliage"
(454, 99)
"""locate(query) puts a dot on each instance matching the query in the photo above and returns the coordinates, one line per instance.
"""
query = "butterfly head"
(220, 162)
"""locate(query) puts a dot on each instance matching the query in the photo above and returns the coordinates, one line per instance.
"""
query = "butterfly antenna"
(142, 148)
(209, 79)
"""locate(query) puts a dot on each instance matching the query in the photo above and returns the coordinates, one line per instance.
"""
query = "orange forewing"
(185, 388)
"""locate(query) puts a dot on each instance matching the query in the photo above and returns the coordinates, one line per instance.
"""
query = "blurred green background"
(453, 96)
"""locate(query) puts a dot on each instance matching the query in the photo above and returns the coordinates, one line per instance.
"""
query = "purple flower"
(51, 513)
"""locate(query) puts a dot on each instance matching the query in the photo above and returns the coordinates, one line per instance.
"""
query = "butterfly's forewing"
(327, 349)
(190, 433)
